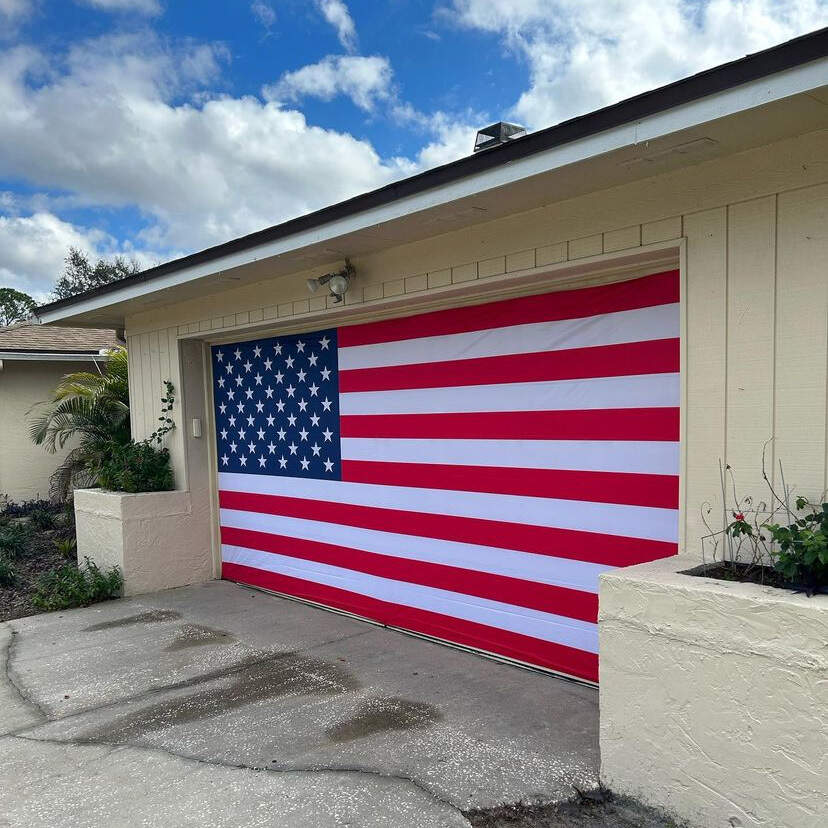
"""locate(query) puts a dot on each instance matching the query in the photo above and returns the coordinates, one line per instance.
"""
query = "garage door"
(466, 474)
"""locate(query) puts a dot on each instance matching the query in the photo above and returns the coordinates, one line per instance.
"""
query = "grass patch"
(7, 572)
(76, 586)
(13, 540)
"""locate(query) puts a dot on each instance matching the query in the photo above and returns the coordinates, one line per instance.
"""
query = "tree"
(80, 275)
(15, 306)
(92, 407)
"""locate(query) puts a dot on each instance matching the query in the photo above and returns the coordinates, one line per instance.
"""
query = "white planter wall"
(155, 538)
(714, 697)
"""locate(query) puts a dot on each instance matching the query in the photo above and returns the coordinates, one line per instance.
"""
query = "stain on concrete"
(148, 617)
(381, 715)
(197, 635)
(283, 674)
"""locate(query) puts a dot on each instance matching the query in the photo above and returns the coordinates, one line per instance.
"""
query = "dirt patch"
(595, 809)
(148, 617)
(283, 674)
(197, 635)
(380, 715)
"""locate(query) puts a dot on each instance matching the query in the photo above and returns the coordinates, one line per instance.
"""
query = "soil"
(595, 809)
(747, 573)
(38, 556)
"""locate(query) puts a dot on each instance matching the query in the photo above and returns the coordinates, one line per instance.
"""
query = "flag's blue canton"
(277, 406)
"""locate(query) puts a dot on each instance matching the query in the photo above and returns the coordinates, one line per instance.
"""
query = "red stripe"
(659, 490)
(657, 289)
(588, 424)
(657, 356)
(479, 636)
(571, 603)
(612, 550)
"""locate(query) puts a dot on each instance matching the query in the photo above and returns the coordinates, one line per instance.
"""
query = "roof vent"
(497, 134)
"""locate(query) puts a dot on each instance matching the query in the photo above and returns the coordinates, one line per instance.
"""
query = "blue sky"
(154, 128)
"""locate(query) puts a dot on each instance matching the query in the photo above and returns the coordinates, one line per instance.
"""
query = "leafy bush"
(76, 586)
(803, 546)
(67, 547)
(7, 573)
(26, 507)
(136, 467)
(41, 519)
(13, 539)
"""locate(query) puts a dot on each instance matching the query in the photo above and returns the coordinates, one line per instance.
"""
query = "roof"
(789, 55)
(33, 338)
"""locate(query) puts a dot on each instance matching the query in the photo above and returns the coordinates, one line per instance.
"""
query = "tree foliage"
(80, 275)
(15, 306)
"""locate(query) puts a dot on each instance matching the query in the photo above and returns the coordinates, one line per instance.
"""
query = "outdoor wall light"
(338, 282)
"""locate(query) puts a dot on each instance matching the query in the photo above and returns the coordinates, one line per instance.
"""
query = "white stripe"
(604, 518)
(543, 625)
(640, 391)
(543, 569)
(658, 322)
(634, 457)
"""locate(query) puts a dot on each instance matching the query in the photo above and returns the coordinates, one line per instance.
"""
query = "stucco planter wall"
(156, 538)
(714, 697)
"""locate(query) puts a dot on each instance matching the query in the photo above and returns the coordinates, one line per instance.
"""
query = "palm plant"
(92, 408)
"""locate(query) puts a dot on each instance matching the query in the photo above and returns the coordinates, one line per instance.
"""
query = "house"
(33, 358)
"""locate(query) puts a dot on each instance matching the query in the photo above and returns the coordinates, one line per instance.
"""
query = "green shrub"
(135, 467)
(76, 586)
(7, 574)
(67, 547)
(13, 539)
(41, 519)
(803, 547)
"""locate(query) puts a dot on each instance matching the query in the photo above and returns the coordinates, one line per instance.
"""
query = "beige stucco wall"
(713, 697)
(752, 229)
(25, 468)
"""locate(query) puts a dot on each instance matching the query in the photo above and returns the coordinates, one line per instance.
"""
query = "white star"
(328, 434)
(278, 347)
(279, 377)
(301, 375)
(233, 447)
(282, 462)
(243, 460)
(223, 408)
(225, 459)
(302, 404)
(326, 404)
(281, 433)
(292, 420)
(240, 407)
(324, 343)
(314, 389)
(221, 382)
(304, 434)
(315, 419)
(224, 434)
(259, 406)
(239, 380)
(262, 461)
(250, 419)
(232, 420)
(231, 395)
(270, 419)
(289, 362)
(219, 356)
(280, 406)
(269, 392)
(257, 351)
(300, 346)
(248, 393)
(267, 364)
(316, 448)
(229, 368)
(312, 359)
(271, 447)
(305, 463)
(261, 433)
(328, 466)
(290, 390)
(242, 434)
(252, 446)
(293, 448)
(237, 353)
(258, 379)
(326, 373)
(247, 366)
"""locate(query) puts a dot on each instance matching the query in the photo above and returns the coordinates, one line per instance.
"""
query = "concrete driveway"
(220, 705)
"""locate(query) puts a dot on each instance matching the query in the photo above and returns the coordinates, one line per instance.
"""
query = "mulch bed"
(39, 556)
(746, 573)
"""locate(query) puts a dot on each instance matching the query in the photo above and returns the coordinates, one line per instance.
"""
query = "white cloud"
(12, 14)
(337, 14)
(365, 80)
(583, 54)
(149, 7)
(264, 13)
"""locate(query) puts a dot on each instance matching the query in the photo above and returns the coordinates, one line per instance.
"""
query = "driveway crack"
(15, 683)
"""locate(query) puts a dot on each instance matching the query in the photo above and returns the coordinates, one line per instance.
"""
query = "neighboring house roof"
(686, 92)
(30, 340)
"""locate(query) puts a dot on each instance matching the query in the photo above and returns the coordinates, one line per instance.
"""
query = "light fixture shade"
(313, 285)
(339, 284)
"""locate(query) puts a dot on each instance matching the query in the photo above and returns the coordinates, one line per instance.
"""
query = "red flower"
(739, 515)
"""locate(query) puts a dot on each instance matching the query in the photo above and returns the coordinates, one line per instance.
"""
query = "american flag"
(466, 474)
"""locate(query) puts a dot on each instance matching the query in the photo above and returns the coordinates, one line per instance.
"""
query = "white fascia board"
(45, 356)
(729, 102)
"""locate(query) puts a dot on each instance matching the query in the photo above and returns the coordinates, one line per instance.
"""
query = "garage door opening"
(464, 474)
